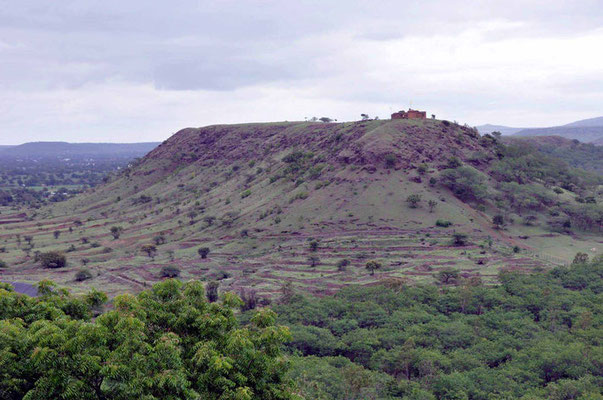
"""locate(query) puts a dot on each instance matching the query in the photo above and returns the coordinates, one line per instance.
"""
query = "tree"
(313, 245)
(56, 234)
(53, 259)
(413, 200)
(431, 204)
(170, 271)
(465, 182)
(373, 265)
(139, 349)
(150, 250)
(459, 239)
(203, 251)
(325, 119)
(498, 221)
(364, 117)
(448, 275)
(211, 291)
(116, 232)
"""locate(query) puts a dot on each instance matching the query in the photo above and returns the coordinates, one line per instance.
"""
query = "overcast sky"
(125, 71)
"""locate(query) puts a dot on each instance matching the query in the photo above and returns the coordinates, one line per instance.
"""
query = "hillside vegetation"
(322, 205)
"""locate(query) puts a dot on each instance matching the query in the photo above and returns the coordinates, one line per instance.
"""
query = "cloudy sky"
(125, 71)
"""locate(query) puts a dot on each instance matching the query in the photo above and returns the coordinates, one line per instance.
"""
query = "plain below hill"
(64, 149)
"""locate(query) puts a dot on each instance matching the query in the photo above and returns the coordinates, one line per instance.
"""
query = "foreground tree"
(165, 343)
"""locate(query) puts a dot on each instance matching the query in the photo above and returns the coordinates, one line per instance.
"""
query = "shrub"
(413, 200)
(159, 240)
(313, 245)
(203, 251)
(580, 258)
(250, 299)
(442, 223)
(342, 264)
(116, 231)
(3, 264)
(432, 181)
(516, 249)
(150, 250)
(170, 271)
(431, 204)
(390, 160)
(422, 168)
(246, 193)
(459, 239)
(53, 259)
(498, 221)
(211, 291)
(83, 275)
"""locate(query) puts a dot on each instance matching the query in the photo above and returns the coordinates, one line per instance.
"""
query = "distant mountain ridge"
(64, 149)
(586, 130)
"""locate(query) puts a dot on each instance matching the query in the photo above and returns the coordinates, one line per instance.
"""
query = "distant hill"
(587, 122)
(505, 130)
(587, 131)
(64, 149)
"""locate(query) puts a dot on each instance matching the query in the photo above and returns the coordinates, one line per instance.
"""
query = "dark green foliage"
(53, 259)
(116, 231)
(466, 183)
(3, 264)
(83, 275)
(443, 223)
(531, 337)
(165, 343)
(373, 265)
(448, 276)
(203, 251)
(170, 271)
(459, 239)
(498, 220)
(313, 245)
(211, 291)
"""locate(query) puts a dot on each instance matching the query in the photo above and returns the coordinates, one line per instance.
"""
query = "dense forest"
(534, 336)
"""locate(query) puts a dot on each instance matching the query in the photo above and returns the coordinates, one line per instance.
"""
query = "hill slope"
(587, 131)
(260, 195)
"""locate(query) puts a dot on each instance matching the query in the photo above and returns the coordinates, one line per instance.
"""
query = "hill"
(505, 130)
(587, 156)
(312, 203)
(64, 149)
(587, 131)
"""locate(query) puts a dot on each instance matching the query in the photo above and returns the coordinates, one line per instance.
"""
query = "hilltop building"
(410, 114)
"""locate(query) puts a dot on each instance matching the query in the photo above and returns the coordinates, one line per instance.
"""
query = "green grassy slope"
(255, 194)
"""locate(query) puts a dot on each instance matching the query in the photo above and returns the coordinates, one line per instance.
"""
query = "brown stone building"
(410, 114)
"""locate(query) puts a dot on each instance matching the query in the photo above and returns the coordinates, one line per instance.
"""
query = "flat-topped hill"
(308, 203)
